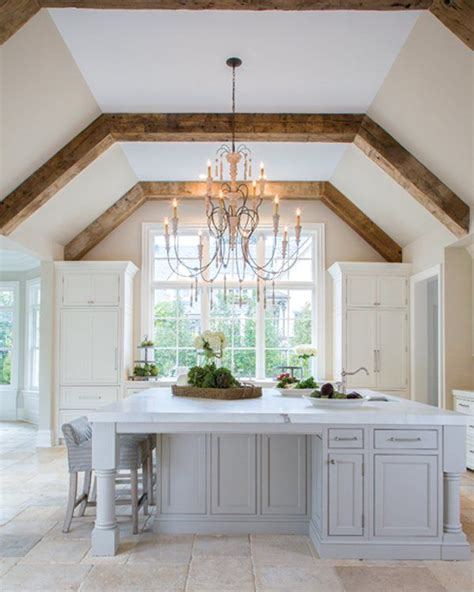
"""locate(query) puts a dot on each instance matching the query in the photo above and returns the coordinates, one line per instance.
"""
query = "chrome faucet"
(344, 373)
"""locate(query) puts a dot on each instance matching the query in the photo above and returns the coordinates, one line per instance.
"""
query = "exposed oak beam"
(458, 17)
(54, 175)
(14, 14)
(105, 223)
(413, 176)
(190, 190)
(362, 224)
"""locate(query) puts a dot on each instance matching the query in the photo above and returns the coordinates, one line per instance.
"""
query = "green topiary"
(209, 376)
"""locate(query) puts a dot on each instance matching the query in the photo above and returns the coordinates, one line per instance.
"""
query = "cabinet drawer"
(346, 438)
(399, 439)
(464, 406)
(87, 397)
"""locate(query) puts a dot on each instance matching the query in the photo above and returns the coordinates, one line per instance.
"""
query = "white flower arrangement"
(305, 351)
(212, 343)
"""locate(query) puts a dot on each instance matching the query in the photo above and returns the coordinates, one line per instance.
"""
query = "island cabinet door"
(406, 495)
(346, 494)
(233, 474)
(284, 475)
(183, 473)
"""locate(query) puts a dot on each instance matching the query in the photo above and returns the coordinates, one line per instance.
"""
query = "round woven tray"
(229, 394)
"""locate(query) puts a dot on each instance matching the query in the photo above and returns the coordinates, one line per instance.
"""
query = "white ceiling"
(17, 261)
(178, 161)
(174, 61)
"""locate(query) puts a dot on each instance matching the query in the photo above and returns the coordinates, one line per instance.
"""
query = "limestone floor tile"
(220, 574)
(388, 579)
(42, 513)
(57, 551)
(32, 527)
(17, 545)
(222, 546)
(81, 528)
(162, 549)
(282, 550)
(272, 578)
(44, 578)
(8, 512)
(455, 576)
(135, 578)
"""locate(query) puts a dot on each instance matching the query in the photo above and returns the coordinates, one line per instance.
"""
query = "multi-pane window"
(261, 328)
(33, 333)
(8, 332)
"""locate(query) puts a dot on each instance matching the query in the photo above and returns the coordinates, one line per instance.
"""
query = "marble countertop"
(158, 405)
(463, 394)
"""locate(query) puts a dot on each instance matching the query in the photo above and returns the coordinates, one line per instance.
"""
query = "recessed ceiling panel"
(180, 161)
(174, 61)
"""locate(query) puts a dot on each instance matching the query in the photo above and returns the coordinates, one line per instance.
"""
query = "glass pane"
(185, 306)
(273, 359)
(165, 303)
(6, 328)
(244, 363)
(6, 297)
(5, 367)
(232, 265)
(244, 331)
(166, 361)
(303, 267)
(35, 295)
(187, 357)
(165, 333)
(187, 330)
(35, 368)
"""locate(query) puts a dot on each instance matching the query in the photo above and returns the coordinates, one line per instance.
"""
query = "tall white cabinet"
(94, 334)
(371, 324)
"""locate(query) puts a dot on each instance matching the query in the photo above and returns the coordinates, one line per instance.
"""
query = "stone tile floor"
(36, 555)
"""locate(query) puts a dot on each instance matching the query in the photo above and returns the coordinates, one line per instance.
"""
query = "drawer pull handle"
(339, 439)
(463, 405)
(471, 451)
(332, 461)
(90, 397)
(404, 439)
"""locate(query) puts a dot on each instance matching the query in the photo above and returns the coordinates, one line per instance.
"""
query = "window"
(9, 302)
(261, 329)
(33, 295)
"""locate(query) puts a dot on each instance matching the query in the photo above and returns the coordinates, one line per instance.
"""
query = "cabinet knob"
(332, 461)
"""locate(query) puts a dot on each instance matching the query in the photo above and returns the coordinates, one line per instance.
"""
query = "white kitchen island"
(381, 481)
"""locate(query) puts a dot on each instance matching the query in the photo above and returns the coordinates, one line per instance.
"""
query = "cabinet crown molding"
(78, 266)
(360, 268)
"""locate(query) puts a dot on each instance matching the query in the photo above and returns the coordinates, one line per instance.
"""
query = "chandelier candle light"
(233, 218)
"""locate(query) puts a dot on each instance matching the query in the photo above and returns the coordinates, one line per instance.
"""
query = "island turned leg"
(455, 545)
(105, 536)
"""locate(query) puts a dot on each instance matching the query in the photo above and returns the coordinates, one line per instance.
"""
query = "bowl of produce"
(289, 386)
(327, 397)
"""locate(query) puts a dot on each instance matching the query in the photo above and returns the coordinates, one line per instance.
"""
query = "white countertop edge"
(463, 394)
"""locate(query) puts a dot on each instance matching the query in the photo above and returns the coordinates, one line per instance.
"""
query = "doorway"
(426, 339)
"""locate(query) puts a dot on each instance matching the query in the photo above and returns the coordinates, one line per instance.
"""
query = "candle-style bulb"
(175, 208)
(276, 202)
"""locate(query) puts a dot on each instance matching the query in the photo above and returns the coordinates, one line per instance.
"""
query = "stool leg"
(71, 501)
(149, 467)
(146, 486)
(134, 495)
(85, 491)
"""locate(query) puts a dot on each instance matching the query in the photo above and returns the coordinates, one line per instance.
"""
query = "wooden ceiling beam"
(14, 14)
(458, 17)
(53, 175)
(343, 207)
(414, 177)
(105, 223)
(190, 190)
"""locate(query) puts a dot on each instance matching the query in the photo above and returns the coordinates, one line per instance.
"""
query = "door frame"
(435, 272)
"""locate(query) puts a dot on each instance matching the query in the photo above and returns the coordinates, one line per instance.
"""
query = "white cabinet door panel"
(76, 347)
(284, 474)
(104, 346)
(406, 495)
(361, 290)
(361, 343)
(345, 495)
(183, 474)
(105, 289)
(76, 289)
(392, 291)
(392, 348)
(233, 473)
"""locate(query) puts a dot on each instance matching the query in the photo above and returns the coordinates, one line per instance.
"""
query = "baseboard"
(241, 526)
(44, 439)
(377, 549)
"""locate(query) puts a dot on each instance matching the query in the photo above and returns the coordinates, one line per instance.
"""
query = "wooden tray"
(229, 394)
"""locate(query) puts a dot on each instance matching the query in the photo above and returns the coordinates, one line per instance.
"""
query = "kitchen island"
(381, 481)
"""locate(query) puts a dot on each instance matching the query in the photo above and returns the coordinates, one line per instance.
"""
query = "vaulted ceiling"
(66, 66)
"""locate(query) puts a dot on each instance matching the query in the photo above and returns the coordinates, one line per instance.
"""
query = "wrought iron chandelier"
(233, 217)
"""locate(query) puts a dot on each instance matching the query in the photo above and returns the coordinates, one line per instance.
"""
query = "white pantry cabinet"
(371, 324)
(94, 328)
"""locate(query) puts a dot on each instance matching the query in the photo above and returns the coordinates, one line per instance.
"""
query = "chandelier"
(233, 217)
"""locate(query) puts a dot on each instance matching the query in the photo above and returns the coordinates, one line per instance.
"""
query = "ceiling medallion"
(233, 216)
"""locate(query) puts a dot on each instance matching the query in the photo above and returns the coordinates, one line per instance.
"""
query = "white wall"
(45, 100)
(342, 244)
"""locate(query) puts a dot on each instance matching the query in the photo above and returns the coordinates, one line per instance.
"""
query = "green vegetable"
(209, 376)
(307, 383)
(335, 395)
